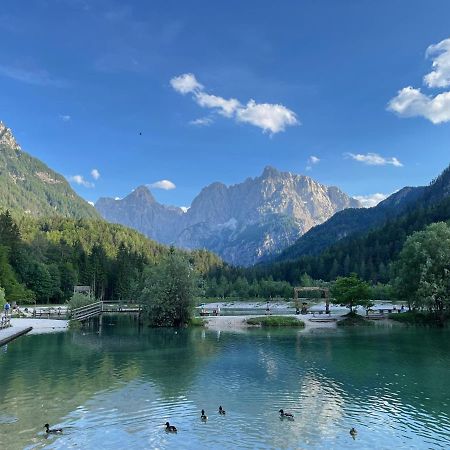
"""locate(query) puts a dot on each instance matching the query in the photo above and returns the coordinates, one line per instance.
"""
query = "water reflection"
(115, 389)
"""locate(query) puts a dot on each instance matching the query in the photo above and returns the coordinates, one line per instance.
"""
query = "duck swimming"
(204, 417)
(285, 414)
(170, 428)
(353, 432)
(48, 430)
(221, 411)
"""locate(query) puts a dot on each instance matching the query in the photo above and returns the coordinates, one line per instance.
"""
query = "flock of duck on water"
(203, 417)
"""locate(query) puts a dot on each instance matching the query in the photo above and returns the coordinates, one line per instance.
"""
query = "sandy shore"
(41, 325)
(238, 323)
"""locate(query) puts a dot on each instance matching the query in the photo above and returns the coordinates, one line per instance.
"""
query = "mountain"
(141, 211)
(370, 253)
(351, 222)
(243, 223)
(28, 186)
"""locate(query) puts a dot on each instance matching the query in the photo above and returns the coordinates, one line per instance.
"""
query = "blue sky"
(348, 82)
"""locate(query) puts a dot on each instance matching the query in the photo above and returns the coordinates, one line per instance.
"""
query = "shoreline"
(238, 323)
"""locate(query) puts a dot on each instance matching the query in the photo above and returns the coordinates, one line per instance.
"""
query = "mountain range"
(244, 223)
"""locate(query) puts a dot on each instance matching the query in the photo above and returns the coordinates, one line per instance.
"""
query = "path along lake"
(115, 390)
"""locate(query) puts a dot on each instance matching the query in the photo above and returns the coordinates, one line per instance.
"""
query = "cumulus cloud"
(65, 117)
(271, 118)
(79, 179)
(225, 107)
(95, 174)
(411, 102)
(371, 200)
(162, 184)
(440, 76)
(91, 203)
(374, 159)
(202, 121)
(185, 83)
(184, 208)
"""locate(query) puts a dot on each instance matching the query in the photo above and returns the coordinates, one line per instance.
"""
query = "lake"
(115, 390)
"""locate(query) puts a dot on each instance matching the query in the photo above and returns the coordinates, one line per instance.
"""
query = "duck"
(49, 430)
(353, 432)
(221, 411)
(285, 414)
(171, 428)
(204, 417)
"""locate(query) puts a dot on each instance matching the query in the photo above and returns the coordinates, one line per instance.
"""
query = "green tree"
(422, 270)
(168, 291)
(351, 291)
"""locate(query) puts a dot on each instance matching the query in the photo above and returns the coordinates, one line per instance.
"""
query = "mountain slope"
(243, 223)
(28, 186)
(369, 254)
(350, 222)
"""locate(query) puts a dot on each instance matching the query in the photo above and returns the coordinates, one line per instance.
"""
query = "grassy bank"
(421, 318)
(275, 321)
(353, 319)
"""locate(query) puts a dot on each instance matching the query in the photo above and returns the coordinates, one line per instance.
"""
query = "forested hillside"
(41, 260)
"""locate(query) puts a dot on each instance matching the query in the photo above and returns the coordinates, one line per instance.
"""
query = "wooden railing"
(95, 309)
(86, 312)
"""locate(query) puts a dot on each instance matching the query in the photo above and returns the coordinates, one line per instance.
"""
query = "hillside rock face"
(243, 223)
(28, 186)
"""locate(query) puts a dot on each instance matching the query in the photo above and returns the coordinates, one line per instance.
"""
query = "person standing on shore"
(7, 308)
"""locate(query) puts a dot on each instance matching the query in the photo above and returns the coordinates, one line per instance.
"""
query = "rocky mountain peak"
(143, 194)
(243, 223)
(270, 172)
(7, 138)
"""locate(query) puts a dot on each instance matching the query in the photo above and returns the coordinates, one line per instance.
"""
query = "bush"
(420, 318)
(275, 321)
(78, 300)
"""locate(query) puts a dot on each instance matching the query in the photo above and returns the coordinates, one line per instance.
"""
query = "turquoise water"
(114, 390)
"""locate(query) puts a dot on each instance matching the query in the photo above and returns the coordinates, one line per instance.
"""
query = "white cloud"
(311, 161)
(65, 117)
(374, 159)
(117, 198)
(269, 117)
(225, 107)
(95, 174)
(272, 118)
(410, 102)
(91, 203)
(371, 200)
(185, 83)
(79, 179)
(202, 121)
(184, 208)
(440, 76)
(162, 184)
